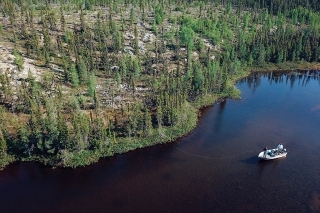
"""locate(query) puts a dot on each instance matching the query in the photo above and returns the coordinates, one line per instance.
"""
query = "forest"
(85, 79)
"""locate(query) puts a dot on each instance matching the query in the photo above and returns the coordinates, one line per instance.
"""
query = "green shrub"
(18, 60)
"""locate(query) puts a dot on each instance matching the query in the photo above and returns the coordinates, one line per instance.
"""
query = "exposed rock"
(141, 47)
(129, 36)
(207, 43)
(148, 37)
(141, 24)
(117, 99)
(195, 55)
(114, 68)
(123, 86)
(273, 30)
(128, 48)
(128, 51)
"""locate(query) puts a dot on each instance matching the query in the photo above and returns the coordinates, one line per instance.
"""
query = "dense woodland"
(109, 76)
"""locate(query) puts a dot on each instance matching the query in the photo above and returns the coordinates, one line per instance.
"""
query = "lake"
(213, 169)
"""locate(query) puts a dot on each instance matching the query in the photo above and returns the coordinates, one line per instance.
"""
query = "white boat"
(272, 154)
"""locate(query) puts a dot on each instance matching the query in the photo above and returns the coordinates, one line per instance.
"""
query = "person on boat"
(280, 148)
(265, 149)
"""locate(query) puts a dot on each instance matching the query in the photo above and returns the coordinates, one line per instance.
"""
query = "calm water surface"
(213, 169)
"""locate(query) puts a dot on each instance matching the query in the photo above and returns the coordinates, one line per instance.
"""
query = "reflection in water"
(276, 77)
(219, 115)
(292, 80)
(253, 81)
(303, 77)
(223, 103)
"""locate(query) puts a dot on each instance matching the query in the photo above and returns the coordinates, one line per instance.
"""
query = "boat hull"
(262, 156)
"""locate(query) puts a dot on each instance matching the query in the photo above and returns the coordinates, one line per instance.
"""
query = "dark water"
(213, 169)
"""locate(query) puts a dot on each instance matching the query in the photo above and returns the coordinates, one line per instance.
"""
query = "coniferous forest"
(85, 79)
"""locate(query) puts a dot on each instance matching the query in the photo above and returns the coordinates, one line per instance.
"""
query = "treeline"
(294, 37)
(273, 6)
(133, 73)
